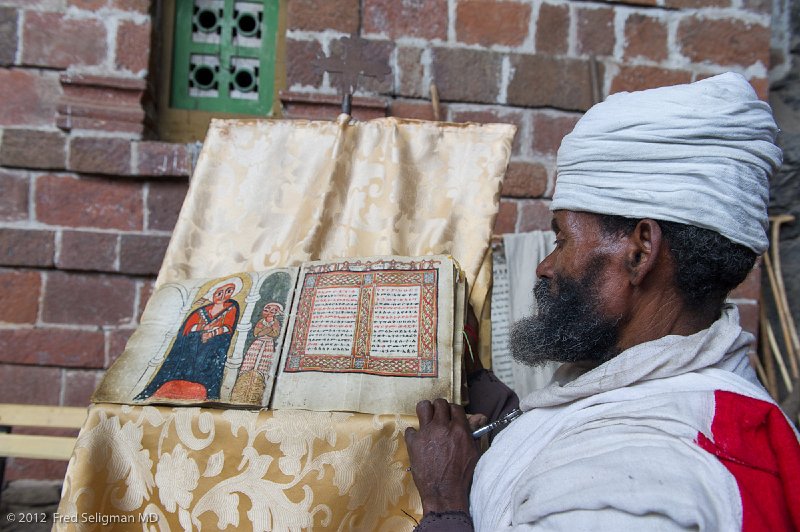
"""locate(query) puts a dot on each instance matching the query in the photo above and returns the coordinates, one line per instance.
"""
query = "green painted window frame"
(234, 45)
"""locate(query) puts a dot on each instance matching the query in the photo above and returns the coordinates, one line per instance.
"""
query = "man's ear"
(644, 247)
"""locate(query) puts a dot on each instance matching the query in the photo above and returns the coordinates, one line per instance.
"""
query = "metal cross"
(348, 59)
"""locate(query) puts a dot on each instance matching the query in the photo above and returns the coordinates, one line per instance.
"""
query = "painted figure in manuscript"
(259, 356)
(193, 367)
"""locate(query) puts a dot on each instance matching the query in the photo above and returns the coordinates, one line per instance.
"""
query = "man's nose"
(545, 268)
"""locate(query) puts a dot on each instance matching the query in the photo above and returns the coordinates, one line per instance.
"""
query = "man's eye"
(559, 242)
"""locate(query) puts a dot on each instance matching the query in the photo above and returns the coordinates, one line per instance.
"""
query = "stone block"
(635, 78)
(300, 70)
(133, 6)
(552, 29)
(490, 22)
(549, 129)
(29, 385)
(142, 254)
(26, 247)
(596, 35)
(29, 97)
(695, 4)
(411, 73)
(19, 297)
(33, 148)
(86, 250)
(30, 469)
(535, 215)
(645, 37)
(488, 115)
(425, 19)
(8, 35)
(543, 81)
(79, 385)
(162, 159)
(145, 290)
(418, 110)
(13, 196)
(481, 85)
(374, 51)
(724, 42)
(116, 341)
(164, 202)
(336, 15)
(89, 202)
(133, 46)
(53, 347)
(88, 299)
(100, 155)
(55, 41)
(506, 221)
(524, 180)
(102, 103)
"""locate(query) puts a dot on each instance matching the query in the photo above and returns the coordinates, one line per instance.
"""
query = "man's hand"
(443, 456)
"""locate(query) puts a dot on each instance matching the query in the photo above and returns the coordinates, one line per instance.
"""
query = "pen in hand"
(503, 421)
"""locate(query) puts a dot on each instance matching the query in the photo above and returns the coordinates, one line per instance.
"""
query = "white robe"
(620, 447)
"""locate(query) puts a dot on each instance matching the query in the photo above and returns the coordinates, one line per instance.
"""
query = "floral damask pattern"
(195, 469)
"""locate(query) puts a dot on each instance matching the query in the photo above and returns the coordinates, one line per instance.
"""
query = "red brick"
(596, 31)
(136, 6)
(53, 40)
(488, 22)
(552, 29)
(162, 158)
(88, 5)
(549, 129)
(117, 339)
(133, 46)
(89, 202)
(750, 287)
(88, 299)
(759, 6)
(541, 81)
(13, 196)
(725, 42)
(84, 250)
(645, 37)
(377, 51)
(535, 216)
(506, 221)
(426, 19)
(33, 148)
(411, 71)
(634, 78)
(79, 385)
(300, 57)
(8, 35)
(29, 469)
(145, 290)
(141, 254)
(450, 65)
(19, 296)
(419, 110)
(311, 15)
(100, 155)
(525, 180)
(53, 347)
(26, 247)
(695, 4)
(29, 98)
(489, 116)
(164, 201)
(29, 385)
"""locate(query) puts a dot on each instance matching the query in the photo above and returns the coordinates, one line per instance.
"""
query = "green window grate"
(224, 55)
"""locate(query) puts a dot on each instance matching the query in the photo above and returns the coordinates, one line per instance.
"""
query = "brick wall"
(88, 198)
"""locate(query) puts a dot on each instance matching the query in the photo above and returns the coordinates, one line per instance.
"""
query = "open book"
(373, 335)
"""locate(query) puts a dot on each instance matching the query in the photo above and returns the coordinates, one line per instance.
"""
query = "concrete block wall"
(88, 198)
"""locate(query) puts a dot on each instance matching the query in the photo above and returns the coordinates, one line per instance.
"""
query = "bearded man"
(656, 419)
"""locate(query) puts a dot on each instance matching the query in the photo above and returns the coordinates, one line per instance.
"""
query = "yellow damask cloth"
(178, 468)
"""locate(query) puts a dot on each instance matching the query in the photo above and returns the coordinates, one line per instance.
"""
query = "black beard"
(569, 326)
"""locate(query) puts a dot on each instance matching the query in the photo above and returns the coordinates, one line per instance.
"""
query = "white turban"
(698, 154)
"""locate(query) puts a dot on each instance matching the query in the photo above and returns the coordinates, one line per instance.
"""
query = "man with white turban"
(656, 419)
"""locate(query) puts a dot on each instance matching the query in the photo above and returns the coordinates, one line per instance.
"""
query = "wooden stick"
(771, 381)
(435, 101)
(782, 302)
(779, 358)
(783, 316)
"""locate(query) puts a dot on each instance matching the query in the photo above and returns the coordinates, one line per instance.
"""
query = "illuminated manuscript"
(371, 335)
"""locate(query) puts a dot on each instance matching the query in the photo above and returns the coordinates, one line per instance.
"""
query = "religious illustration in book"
(194, 366)
(262, 346)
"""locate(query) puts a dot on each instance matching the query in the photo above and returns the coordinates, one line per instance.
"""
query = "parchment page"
(371, 335)
(502, 362)
(205, 341)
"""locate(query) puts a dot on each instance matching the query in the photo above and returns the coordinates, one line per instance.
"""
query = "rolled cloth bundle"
(699, 154)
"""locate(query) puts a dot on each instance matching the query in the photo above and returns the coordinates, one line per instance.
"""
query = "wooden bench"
(37, 446)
